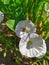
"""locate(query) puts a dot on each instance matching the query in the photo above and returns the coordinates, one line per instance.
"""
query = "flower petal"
(47, 7)
(1, 16)
(37, 48)
(24, 24)
(42, 50)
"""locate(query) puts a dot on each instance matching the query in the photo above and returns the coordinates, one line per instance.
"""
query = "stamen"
(26, 29)
(23, 30)
(29, 42)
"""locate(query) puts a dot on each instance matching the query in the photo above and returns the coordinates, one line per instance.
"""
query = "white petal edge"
(1, 16)
(44, 49)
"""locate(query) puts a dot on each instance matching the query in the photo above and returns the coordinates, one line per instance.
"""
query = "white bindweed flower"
(33, 46)
(24, 27)
(1, 16)
(47, 7)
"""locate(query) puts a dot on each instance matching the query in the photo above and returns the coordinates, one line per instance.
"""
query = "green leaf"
(4, 54)
(18, 1)
(47, 25)
(6, 40)
(18, 61)
(47, 35)
(6, 1)
(39, 6)
(11, 24)
(44, 62)
(47, 55)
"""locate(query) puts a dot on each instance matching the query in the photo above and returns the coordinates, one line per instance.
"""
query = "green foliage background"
(18, 10)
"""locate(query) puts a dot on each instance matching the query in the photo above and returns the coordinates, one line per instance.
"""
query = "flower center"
(23, 30)
(26, 29)
(29, 45)
(29, 42)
